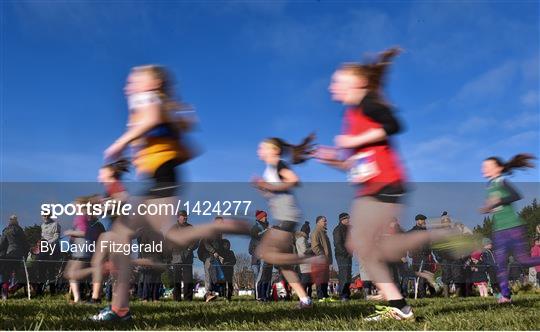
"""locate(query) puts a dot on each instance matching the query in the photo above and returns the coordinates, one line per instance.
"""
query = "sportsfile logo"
(117, 208)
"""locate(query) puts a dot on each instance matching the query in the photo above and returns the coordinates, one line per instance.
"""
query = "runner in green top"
(509, 233)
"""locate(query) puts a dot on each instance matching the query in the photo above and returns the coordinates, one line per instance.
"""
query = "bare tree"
(243, 276)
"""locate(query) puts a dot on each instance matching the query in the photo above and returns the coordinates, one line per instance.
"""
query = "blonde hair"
(166, 93)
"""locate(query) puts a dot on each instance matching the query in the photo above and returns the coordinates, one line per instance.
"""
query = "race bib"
(363, 168)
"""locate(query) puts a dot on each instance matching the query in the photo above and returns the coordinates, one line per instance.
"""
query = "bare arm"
(151, 116)
(288, 177)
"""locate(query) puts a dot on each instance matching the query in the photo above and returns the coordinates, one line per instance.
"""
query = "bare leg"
(370, 221)
(275, 249)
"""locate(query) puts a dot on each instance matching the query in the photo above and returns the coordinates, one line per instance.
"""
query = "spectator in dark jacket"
(149, 283)
(488, 259)
(209, 250)
(343, 257)
(13, 249)
(181, 260)
(262, 271)
(228, 262)
(515, 270)
(320, 245)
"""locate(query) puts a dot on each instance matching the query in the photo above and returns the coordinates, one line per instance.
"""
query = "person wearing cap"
(320, 244)
(13, 249)
(488, 259)
(181, 260)
(343, 257)
(421, 257)
(262, 271)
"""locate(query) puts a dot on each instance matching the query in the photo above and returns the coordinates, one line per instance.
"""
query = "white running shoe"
(385, 312)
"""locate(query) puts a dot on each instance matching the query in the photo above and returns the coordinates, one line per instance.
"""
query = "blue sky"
(467, 86)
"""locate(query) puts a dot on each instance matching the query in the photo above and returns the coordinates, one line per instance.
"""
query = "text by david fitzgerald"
(103, 246)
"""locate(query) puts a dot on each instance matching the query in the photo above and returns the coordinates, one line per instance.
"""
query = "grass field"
(432, 314)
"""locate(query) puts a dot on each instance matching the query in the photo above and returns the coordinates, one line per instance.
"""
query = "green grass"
(432, 314)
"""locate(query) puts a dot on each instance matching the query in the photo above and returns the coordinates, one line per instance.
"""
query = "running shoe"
(305, 304)
(386, 312)
(503, 300)
(107, 315)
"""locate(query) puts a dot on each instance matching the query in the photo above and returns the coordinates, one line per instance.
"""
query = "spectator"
(260, 269)
(149, 283)
(488, 259)
(421, 258)
(320, 244)
(13, 249)
(228, 262)
(95, 229)
(515, 270)
(303, 248)
(208, 252)
(535, 252)
(478, 273)
(449, 264)
(46, 265)
(80, 256)
(343, 257)
(181, 261)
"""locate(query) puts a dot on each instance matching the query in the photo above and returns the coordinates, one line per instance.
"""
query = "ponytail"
(519, 161)
(374, 71)
(298, 153)
(377, 70)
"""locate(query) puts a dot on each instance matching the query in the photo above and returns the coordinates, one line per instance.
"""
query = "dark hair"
(306, 228)
(226, 242)
(298, 153)
(519, 161)
(118, 167)
(319, 218)
(420, 217)
(374, 71)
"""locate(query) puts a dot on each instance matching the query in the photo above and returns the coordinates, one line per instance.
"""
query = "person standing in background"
(320, 244)
(182, 261)
(257, 265)
(46, 266)
(303, 248)
(343, 257)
